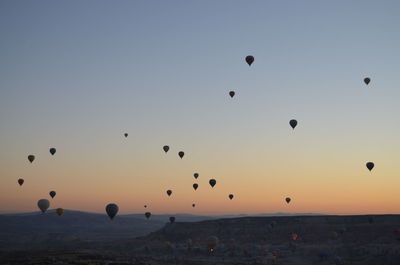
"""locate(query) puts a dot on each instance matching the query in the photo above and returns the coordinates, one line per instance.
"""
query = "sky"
(77, 75)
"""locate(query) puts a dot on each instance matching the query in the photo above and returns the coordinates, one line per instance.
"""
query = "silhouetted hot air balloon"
(59, 211)
(249, 59)
(165, 148)
(52, 151)
(232, 93)
(230, 196)
(52, 194)
(31, 158)
(112, 210)
(367, 80)
(293, 123)
(21, 181)
(147, 214)
(181, 154)
(193, 205)
(196, 175)
(169, 192)
(212, 182)
(195, 186)
(370, 165)
(145, 206)
(172, 219)
(126, 135)
(43, 205)
(288, 199)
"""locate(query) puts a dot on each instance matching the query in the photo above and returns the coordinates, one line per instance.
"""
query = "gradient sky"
(76, 75)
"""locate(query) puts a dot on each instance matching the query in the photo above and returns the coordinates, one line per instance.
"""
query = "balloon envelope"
(212, 182)
(249, 59)
(52, 151)
(293, 123)
(288, 199)
(181, 154)
(172, 219)
(147, 214)
(232, 93)
(59, 211)
(195, 186)
(112, 210)
(31, 158)
(126, 135)
(212, 242)
(165, 148)
(193, 205)
(52, 194)
(196, 175)
(20, 181)
(43, 205)
(367, 80)
(370, 165)
(231, 196)
(169, 192)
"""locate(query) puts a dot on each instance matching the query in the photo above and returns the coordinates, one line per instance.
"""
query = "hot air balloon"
(31, 158)
(288, 199)
(52, 193)
(112, 210)
(59, 211)
(20, 181)
(172, 219)
(212, 182)
(196, 175)
(293, 123)
(166, 148)
(195, 186)
(126, 135)
(249, 59)
(181, 154)
(169, 192)
(145, 206)
(43, 205)
(212, 242)
(193, 205)
(370, 165)
(147, 214)
(230, 196)
(367, 80)
(294, 236)
(232, 93)
(52, 151)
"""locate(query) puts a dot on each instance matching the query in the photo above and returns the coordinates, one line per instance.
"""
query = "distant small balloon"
(367, 80)
(249, 59)
(145, 206)
(21, 181)
(59, 211)
(231, 196)
(165, 148)
(169, 192)
(195, 186)
(52, 194)
(232, 93)
(288, 199)
(43, 205)
(126, 135)
(181, 154)
(196, 175)
(147, 214)
(212, 182)
(52, 151)
(112, 210)
(370, 165)
(293, 123)
(31, 158)
(193, 205)
(172, 219)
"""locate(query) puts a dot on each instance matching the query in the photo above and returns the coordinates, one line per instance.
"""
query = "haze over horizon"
(77, 75)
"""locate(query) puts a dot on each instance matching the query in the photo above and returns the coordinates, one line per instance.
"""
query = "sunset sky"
(77, 75)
